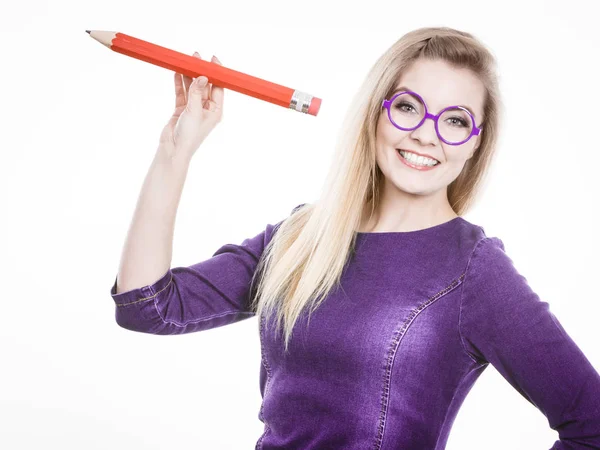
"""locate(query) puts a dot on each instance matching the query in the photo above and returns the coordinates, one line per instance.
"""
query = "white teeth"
(418, 160)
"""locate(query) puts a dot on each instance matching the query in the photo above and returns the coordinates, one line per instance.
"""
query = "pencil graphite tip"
(88, 31)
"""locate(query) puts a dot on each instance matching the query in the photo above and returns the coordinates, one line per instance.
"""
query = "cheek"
(387, 133)
(454, 158)
(457, 155)
(454, 166)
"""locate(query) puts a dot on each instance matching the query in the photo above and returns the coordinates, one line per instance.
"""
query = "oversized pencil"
(217, 74)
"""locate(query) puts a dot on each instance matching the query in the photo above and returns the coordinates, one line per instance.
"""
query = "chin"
(415, 191)
(412, 188)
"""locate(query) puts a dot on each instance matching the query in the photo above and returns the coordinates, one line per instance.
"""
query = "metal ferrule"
(300, 101)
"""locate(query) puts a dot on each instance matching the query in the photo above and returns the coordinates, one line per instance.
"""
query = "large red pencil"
(217, 75)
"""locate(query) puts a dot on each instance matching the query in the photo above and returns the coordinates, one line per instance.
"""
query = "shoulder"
(488, 268)
(493, 281)
(469, 233)
(487, 250)
(489, 257)
(478, 247)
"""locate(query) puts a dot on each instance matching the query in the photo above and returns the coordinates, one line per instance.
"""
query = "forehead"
(442, 85)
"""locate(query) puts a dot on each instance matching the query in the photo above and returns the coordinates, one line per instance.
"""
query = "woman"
(397, 303)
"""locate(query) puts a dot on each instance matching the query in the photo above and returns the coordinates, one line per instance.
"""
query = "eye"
(400, 106)
(461, 121)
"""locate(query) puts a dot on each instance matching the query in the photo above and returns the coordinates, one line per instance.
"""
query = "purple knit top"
(389, 357)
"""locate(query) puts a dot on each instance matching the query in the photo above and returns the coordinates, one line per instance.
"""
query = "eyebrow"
(404, 88)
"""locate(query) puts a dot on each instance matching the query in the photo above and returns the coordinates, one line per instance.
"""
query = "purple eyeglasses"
(388, 103)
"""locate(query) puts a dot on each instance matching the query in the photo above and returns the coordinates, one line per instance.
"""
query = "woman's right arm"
(148, 246)
(149, 296)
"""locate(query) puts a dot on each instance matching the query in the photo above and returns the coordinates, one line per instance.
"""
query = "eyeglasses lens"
(407, 111)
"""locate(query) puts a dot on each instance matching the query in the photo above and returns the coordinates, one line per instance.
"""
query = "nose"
(426, 133)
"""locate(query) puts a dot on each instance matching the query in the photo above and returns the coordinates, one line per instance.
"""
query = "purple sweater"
(387, 360)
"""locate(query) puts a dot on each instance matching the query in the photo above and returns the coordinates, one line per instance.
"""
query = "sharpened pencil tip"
(88, 31)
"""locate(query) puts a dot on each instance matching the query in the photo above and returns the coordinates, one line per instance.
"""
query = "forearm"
(148, 247)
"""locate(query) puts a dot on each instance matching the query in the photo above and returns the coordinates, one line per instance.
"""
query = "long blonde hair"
(306, 256)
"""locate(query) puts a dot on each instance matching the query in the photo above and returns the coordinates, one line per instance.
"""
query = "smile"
(414, 165)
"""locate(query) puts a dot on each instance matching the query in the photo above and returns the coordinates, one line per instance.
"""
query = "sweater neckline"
(423, 231)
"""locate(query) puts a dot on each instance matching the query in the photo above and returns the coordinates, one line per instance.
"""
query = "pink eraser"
(315, 104)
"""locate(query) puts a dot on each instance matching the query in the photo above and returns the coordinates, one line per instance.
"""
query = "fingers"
(199, 93)
(180, 95)
(182, 85)
(217, 93)
(210, 96)
(188, 80)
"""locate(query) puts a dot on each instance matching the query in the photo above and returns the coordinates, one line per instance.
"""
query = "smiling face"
(440, 85)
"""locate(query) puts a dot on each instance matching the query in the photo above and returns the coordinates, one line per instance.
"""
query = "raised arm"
(206, 295)
(504, 322)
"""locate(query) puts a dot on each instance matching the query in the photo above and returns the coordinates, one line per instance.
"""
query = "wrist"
(171, 155)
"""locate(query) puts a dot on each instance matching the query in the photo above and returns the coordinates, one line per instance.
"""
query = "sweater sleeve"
(208, 294)
(504, 322)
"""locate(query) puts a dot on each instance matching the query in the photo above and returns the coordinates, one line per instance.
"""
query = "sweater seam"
(397, 338)
(460, 304)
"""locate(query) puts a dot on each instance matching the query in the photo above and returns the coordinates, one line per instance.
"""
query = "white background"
(80, 125)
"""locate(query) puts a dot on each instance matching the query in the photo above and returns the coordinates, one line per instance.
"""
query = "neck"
(397, 215)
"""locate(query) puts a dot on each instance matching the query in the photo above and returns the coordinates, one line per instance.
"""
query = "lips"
(419, 154)
(415, 166)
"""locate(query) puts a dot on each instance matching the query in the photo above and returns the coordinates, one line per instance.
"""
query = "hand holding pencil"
(198, 109)
(199, 104)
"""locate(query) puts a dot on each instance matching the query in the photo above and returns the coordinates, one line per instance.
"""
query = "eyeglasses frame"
(388, 103)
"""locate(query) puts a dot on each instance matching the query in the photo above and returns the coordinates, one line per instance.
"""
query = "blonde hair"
(309, 250)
